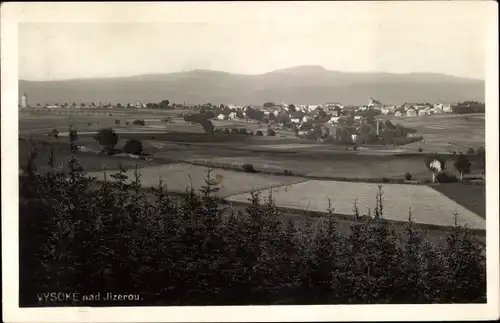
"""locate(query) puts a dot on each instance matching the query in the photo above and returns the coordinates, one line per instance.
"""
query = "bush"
(470, 151)
(127, 123)
(117, 122)
(107, 138)
(445, 177)
(271, 132)
(131, 241)
(133, 147)
(420, 149)
(481, 153)
(54, 133)
(248, 168)
(287, 172)
(243, 131)
(408, 176)
(259, 133)
(139, 122)
(462, 165)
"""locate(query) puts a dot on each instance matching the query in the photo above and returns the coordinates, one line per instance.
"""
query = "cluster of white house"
(337, 110)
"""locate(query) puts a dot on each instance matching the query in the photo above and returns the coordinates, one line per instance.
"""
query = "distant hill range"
(298, 85)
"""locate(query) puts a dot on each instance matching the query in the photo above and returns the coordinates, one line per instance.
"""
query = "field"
(179, 177)
(462, 131)
(427, 205)
(176, 146)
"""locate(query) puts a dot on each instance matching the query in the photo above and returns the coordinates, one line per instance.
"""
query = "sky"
(254, 38)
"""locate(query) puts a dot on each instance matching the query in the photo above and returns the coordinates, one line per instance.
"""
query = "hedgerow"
(80, 235)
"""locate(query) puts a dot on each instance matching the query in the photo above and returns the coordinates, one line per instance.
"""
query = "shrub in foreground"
(76, 234)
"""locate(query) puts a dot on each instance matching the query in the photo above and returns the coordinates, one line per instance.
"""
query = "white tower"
(24, 101)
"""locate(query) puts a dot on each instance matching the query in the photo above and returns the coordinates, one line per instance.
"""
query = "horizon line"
(247, 74)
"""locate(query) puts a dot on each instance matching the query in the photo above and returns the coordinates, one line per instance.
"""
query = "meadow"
(183, 144)
(427, 205)
(445, 132)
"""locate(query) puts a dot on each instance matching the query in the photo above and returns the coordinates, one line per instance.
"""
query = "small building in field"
(388, 109)
(313, 107)
(447, 108)
(334, 120)
(424, 112)
(411, 112)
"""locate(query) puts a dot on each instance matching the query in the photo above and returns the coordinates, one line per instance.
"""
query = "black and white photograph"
(251, 159)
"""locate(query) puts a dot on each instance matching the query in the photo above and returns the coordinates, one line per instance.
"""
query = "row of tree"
(437, 164)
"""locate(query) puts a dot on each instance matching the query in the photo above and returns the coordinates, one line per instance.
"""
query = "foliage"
(408, 176)
(481, 153)
(54, 133)
(259, 133)
(133, 147)
(139, 122)
(462, 164)
(76, 234)
(117, 122)
(254, 114)
(107, 138)
(207, 126)
(164, 104)
(468, 107)
(445, 177)
(73, 137)
(470, 151)
(248, 168)
(271, 132)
